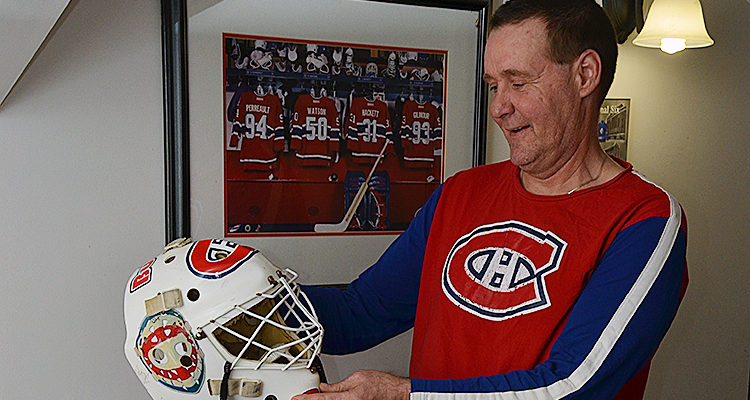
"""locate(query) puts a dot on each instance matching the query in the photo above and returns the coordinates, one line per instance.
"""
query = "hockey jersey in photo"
(367, 128)
(316, 130)
(257, 130)
(421, 133)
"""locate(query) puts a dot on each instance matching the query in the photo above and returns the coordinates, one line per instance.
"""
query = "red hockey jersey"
(315, 130)
(421, 134)
(367, 128)
(258, 130)
(519, 296)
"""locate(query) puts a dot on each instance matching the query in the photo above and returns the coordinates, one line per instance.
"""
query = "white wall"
(81, 199)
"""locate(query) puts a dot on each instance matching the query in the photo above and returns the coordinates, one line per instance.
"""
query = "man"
(552, 275)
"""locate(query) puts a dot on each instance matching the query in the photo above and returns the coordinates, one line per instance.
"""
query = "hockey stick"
(341, 226)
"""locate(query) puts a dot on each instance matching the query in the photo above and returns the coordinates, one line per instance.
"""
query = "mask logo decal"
(142, 277)
(214, 259)
(169, 350)
(498, 271)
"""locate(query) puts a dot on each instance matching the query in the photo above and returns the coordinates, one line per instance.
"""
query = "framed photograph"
(612, 129)
(217, 185)
(328, 137)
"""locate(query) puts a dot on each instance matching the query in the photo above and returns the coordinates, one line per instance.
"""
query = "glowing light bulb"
(672, 45)
(674, 25)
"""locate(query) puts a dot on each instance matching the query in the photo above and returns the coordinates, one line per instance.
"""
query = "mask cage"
(279, 332)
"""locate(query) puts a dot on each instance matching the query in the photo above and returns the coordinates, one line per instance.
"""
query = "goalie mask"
(371, 69)
(216, 320)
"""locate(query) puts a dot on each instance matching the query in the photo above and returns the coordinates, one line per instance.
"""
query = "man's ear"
(588, 72)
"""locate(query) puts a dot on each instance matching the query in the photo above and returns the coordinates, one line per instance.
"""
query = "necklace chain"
(601, 168)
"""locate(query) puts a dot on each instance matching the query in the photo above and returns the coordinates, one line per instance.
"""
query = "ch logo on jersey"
(498, 271)
(215, 258)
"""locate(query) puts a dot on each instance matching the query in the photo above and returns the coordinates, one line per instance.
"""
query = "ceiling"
(25, 26)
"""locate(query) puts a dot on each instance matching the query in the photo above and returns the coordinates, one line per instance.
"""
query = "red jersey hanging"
(421, 134)
(367, 127)
(258, 130)
(315, 130)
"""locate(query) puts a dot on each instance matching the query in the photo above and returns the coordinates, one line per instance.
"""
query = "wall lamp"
(674, 25)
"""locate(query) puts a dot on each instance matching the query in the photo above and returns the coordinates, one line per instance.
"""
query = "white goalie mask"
(216, 320)
(371, 69)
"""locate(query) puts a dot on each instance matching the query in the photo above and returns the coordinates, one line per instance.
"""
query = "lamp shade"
(673, 25)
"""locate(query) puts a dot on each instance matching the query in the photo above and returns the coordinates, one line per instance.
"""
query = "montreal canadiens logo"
(215, 258)
(142, 276)
(498, 271)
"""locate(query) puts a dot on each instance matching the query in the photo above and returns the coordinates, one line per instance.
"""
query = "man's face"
(534, 100)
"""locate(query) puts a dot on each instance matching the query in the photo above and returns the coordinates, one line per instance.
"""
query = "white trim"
(609, 336)
(313, 156)
(418, 159)
(371, 155)
(256, 160)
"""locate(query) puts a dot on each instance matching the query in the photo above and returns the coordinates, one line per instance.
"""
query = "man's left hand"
(364, 385)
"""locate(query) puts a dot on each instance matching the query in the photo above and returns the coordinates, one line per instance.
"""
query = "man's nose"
(500, 104)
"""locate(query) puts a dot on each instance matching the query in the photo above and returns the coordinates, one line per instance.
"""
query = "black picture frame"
(176, 117)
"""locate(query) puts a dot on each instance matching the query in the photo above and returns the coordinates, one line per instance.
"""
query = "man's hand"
(364, 385)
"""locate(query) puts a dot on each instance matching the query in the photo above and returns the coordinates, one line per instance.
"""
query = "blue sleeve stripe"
(606, 341)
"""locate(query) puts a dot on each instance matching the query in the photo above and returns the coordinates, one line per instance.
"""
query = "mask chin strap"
(317, 366)
(224, 393)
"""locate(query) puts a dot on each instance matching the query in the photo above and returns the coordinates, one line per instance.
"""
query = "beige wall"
(690, 133)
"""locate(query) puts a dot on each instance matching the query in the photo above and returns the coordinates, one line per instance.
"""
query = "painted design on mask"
(170, 351)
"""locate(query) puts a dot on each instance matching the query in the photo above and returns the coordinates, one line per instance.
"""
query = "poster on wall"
(612, 129)
(327, 137)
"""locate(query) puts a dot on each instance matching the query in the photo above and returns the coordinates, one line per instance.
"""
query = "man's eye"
(518, 85)
(493, 88)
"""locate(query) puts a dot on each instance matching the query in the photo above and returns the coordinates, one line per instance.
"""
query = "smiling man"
(552, 275)
(546, 99)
